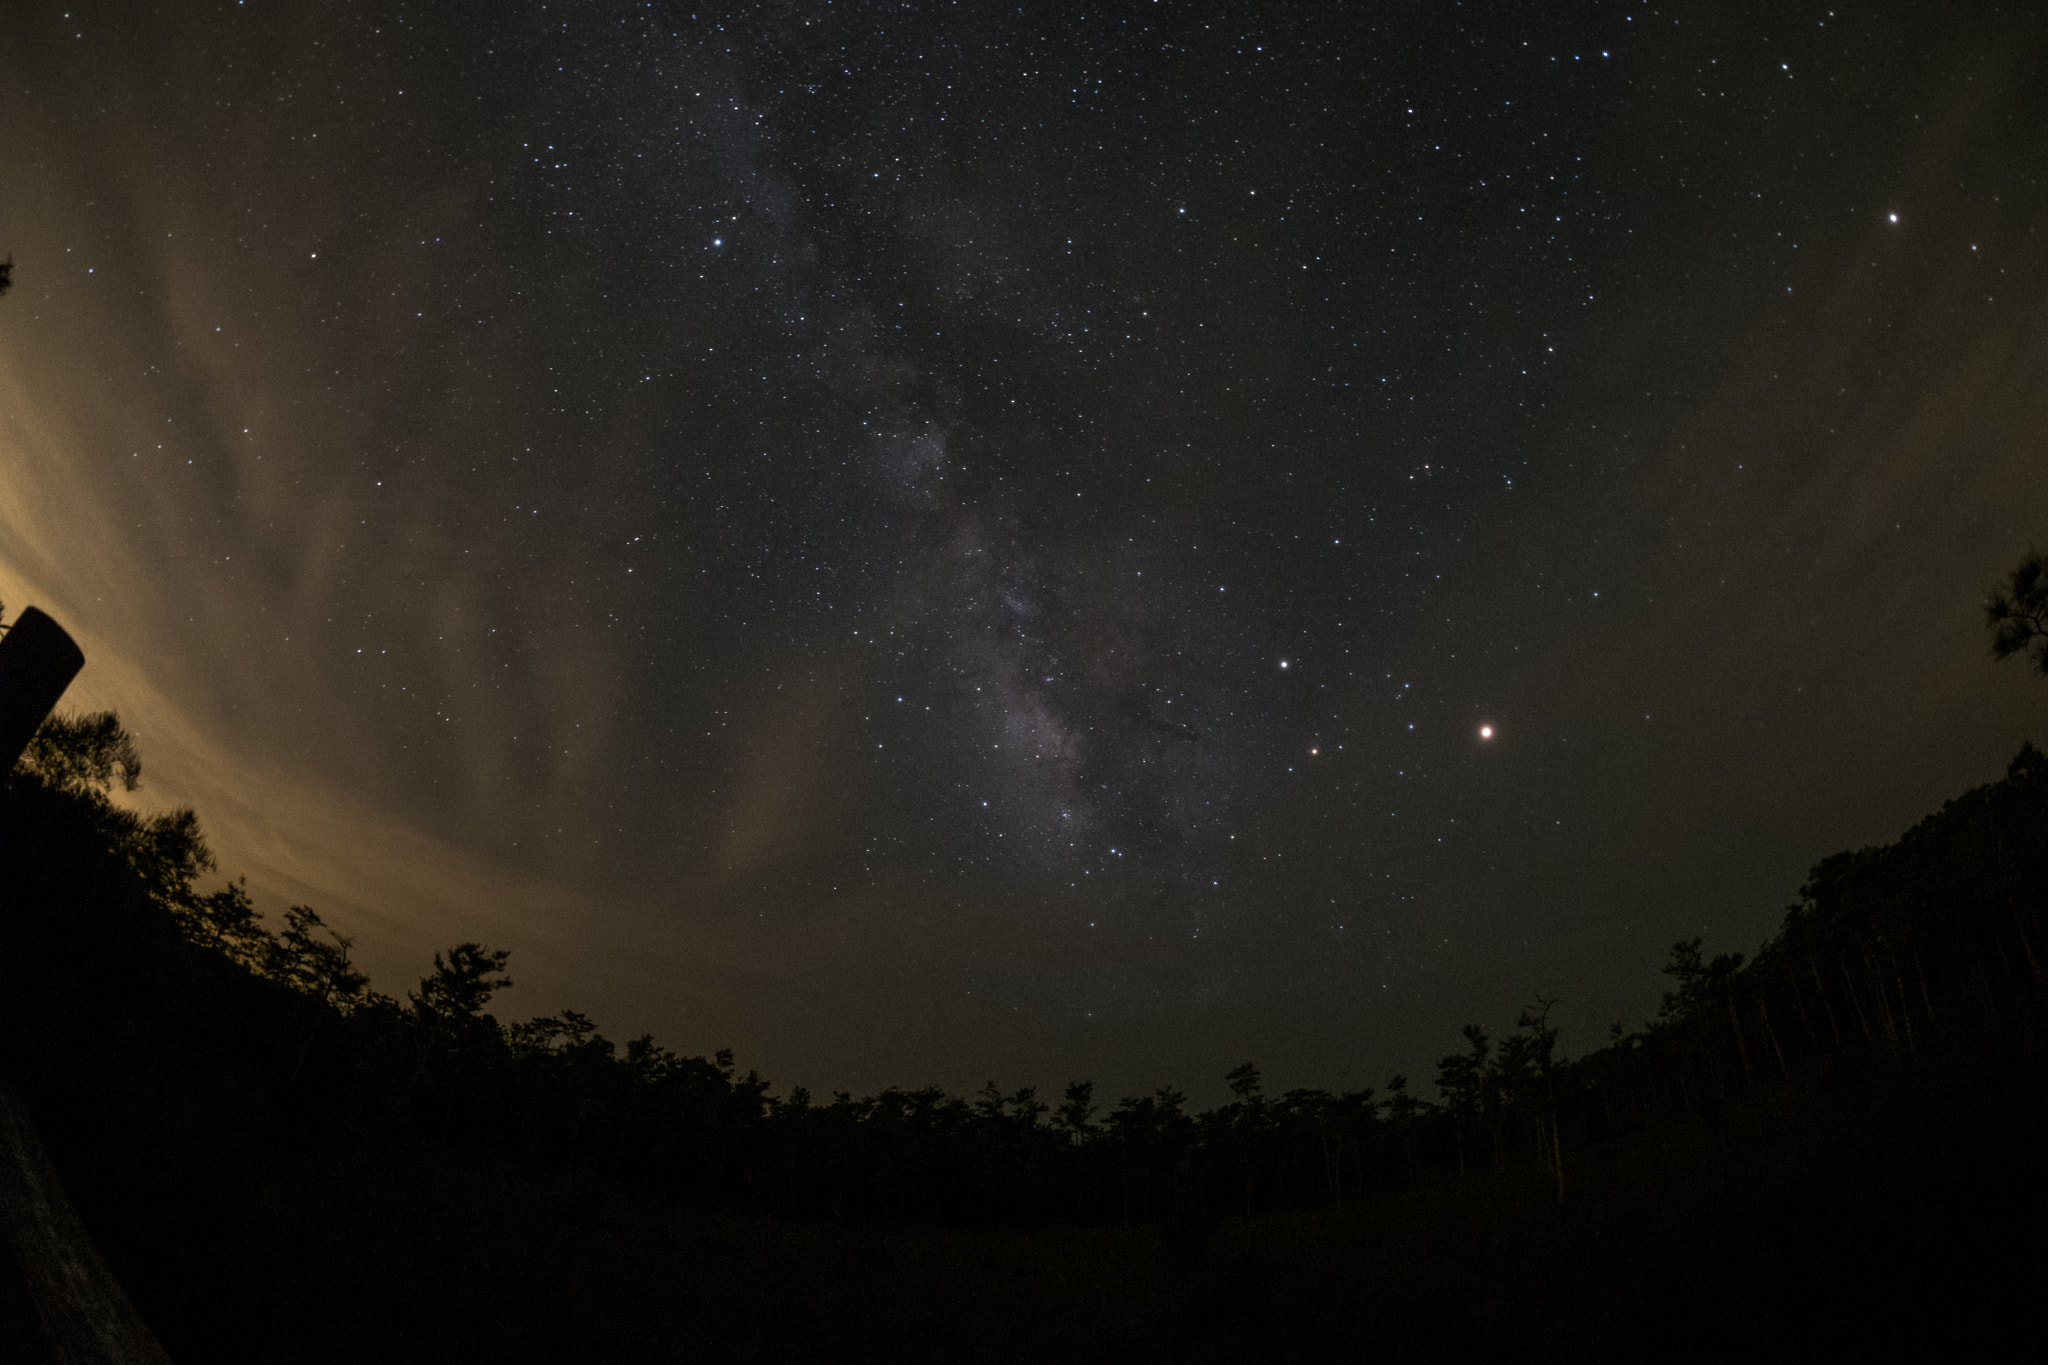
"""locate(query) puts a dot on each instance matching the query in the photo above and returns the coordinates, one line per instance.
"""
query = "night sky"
(936, 542)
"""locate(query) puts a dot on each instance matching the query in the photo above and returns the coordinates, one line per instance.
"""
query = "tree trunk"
(1826, 1004)
(1771, 1033)
(81, 1313)
(1799, 1003)
(1905, 1006)
(306, 1044)
(1741, 1043)
(2026, 942)
(1855, 1000)
(2004, 958)
(1884, 997)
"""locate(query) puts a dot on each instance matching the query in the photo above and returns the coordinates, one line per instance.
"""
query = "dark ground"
(1883, 1211)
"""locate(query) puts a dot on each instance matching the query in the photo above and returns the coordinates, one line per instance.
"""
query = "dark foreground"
(1879, 1212)
(1867, 1200)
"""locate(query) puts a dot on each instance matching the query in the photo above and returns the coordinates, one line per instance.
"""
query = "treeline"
(1900, 952)
(1911, 952)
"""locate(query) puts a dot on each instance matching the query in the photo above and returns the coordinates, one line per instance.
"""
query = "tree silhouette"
(461, 984)
(1462, 1078)
(84, 753)
(2017, 611)
(312, 958)
(227, 920)
(448, 1005)
(1075, 1117)
(1700, 982)
(1941, 938)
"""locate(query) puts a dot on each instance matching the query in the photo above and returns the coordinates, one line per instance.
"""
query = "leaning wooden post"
(82, 1317)
(37, 662)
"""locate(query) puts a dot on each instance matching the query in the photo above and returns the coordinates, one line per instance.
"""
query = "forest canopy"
(1884, 950)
